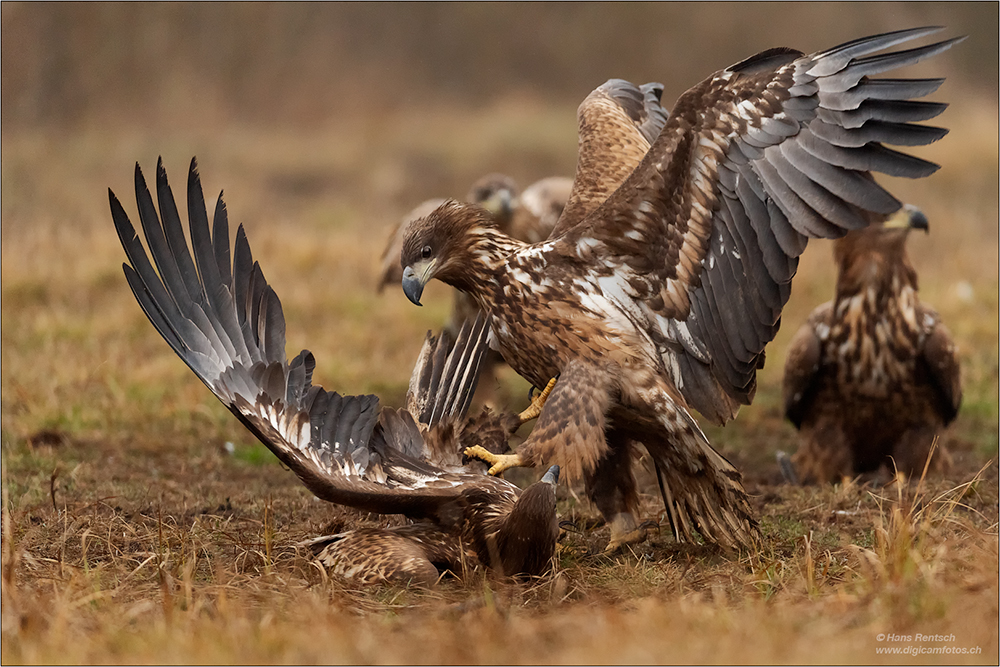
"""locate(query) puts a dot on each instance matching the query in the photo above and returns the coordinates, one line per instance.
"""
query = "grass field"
(131, 534)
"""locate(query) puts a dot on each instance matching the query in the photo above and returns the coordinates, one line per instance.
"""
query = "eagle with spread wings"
(666, 275)
(218, 313)
(871, 378)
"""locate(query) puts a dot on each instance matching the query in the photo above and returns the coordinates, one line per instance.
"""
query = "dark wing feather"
(802, 365)
(226, 323)
(447, 394)
(751, 163)
(938, 358)
(617, 124)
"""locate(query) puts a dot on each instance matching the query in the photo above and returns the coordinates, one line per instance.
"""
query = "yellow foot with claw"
(537, 403)
(637, 536)
(499, 462)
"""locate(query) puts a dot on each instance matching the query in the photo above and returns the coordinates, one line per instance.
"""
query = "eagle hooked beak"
(908, 217)
(415, 277)
(551, 476)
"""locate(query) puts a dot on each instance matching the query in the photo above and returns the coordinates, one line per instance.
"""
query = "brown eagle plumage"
(666, 275)
(220, 316)
(529, 216)
(872, 374)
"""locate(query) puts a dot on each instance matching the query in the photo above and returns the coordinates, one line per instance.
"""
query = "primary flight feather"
(218, 313)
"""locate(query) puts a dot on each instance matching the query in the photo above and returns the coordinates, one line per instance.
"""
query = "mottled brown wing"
(391, 272)
(802, 364)
(703, 238)
(226, 323)
(617, 123)
(939, 359)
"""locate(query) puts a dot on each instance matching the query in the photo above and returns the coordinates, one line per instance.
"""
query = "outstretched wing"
(702, 240)
(445, 376)
(226, 323)
(617, 123)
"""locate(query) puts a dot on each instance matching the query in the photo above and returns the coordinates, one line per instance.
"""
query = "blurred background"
(325, 123)
(294, 64)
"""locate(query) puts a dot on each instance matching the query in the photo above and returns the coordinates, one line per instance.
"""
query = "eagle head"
(497, 194)
(873, 256)
(447, 245)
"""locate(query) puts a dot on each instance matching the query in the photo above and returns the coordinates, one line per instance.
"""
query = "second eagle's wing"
(225, 322)
(617, 123)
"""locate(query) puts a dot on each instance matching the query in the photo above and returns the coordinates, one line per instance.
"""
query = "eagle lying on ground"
(667, 272)
(226, 323)
(872, 374)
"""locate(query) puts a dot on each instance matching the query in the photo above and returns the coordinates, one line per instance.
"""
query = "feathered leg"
(611, 486)
(570, 429)
(824, 454)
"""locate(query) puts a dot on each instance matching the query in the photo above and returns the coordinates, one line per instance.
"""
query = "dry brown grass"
(130, 535)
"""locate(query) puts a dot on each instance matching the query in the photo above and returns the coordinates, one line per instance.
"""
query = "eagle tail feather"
(709, 500)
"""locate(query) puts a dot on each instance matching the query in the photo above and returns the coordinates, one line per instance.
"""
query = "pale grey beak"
(552, 476)
(413, 286)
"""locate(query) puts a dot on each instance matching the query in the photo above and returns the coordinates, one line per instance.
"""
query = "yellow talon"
(537, 403)
(499, 462)
(637, 536)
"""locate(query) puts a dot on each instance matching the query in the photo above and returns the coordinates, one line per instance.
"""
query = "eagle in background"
(666, 274)
(225, 322)
(872, 375)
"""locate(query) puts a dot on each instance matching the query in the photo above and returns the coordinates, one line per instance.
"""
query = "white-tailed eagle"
(220, 316)
(871, 378)
(529, 216)
(666, 275)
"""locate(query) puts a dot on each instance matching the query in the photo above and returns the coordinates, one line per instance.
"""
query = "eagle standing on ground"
(666, 275)
(226, 323)
(872, 374)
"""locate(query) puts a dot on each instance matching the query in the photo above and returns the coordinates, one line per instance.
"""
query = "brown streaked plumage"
(873, 373)
(225, 322)
(529, 216)
(661, 290)
(391, 272)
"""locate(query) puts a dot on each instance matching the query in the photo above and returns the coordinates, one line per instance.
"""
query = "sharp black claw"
(787, 468)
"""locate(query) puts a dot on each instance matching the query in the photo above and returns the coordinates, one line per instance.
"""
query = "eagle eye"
(425, 252)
